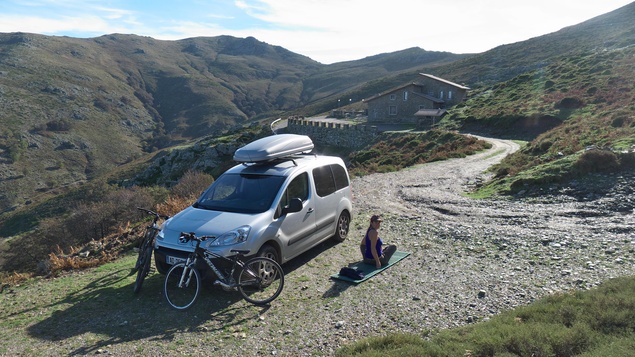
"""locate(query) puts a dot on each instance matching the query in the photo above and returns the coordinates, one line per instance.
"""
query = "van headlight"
(234, 236)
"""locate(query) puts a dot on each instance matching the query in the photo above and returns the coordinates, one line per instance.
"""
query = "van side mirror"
(295, 205)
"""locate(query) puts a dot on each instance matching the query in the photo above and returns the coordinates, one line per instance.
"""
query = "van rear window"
(329, 179)
(341, 178)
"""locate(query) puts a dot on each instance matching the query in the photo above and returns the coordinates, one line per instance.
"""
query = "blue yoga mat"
(370, 270)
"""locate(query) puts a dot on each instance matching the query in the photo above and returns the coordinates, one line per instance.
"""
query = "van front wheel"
(343, 223)
(270, 252)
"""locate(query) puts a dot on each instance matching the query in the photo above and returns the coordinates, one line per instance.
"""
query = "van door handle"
(310, 210)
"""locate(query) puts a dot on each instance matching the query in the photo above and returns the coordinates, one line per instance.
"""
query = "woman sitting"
(371, 246)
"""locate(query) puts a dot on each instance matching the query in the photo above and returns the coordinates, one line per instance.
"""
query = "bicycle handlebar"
(188, 236)
(155, 214)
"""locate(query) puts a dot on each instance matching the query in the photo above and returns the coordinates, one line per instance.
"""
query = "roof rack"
(274, 147)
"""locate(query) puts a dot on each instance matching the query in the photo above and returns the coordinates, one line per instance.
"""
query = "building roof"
(429, 97)
(430, 112)
(392, 90)
(444, 81)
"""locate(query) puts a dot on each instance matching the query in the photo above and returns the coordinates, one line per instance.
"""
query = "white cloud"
(34, 24)
(325, 30)
(337, 30)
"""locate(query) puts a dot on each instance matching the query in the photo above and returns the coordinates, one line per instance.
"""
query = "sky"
(327, 31)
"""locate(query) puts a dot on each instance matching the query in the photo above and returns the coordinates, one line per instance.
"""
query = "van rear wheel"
(343, 224)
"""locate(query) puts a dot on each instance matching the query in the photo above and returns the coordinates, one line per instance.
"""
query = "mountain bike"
(142, 266)
(259, 280)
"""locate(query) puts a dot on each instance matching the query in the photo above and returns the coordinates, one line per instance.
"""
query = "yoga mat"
(370, 270)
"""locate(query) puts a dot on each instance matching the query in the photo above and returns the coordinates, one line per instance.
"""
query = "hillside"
(76, 109)
(577, 113)
(579, 98)
(613, 30)
(72, 109)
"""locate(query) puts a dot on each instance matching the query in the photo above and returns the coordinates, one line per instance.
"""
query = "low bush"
(192, 183)
(596, 160)
(104, 224)
(627, 160)
(397, 151)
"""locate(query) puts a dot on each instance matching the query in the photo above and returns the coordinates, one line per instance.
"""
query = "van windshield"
(241, 193)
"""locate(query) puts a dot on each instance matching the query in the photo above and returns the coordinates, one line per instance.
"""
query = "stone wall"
(334, 134)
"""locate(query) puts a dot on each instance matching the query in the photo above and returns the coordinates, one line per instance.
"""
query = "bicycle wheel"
(145, 256)
(182, 285)
(260, 281)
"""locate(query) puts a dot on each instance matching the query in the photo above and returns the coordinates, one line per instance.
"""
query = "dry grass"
(175, 204)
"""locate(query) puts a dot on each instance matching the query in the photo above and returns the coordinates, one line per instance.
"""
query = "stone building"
(423, 101)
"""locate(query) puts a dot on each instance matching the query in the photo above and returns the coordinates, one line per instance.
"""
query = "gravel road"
(471, 259)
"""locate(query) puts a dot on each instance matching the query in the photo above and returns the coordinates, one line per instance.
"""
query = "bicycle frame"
(259, 280)
(154, 225)
(206, 255)
(142, 266)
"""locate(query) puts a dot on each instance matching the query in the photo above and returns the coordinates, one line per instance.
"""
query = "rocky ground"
(470, 259)
(508, 252)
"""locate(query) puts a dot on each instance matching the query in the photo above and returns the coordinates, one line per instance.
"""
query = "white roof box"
(273, 147)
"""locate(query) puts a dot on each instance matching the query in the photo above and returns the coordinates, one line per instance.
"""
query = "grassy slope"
(122, 95)
(73, 109)
(584, 100)
(599, 322)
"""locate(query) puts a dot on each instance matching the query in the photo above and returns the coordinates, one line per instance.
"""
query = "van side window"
(324, 182)
(341, 178)
(298, 188)
(328, 179)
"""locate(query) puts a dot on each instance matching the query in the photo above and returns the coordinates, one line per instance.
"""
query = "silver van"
(279, 201)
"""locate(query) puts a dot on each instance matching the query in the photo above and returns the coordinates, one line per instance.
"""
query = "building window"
(393, 96)
(449, 95)
(422, 107)
(392, 110)
(405, 95)
(441, 95)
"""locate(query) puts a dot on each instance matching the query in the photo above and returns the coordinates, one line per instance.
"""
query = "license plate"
(173, 260)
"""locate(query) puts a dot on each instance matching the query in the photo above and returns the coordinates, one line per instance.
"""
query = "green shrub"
(595, 160)
(618, 122)
(398, 150)
(627, 160)
(192, 183)
(59, 125)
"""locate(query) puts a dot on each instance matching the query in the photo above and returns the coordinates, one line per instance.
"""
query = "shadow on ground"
(113, 312)
(108, 308)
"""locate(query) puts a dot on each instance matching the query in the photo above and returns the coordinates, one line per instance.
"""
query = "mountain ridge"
(74, 109)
